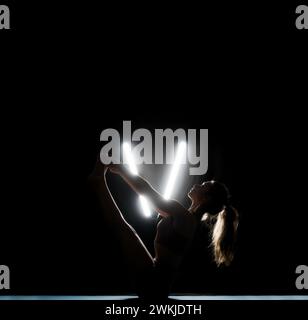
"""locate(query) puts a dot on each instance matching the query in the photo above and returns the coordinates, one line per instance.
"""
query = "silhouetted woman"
(175, 231)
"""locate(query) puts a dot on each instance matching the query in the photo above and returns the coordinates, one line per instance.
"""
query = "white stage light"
(180, 155)
(129, 158)
(145, 206)
(179, 159)
(133, 169)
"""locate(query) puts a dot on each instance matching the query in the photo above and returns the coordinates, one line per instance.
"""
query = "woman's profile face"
(198, 192)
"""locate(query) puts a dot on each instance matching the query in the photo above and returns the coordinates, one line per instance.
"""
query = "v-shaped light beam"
(179, 159)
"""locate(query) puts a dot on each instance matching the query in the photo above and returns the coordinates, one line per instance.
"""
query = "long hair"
(224, 224)
(224, 235)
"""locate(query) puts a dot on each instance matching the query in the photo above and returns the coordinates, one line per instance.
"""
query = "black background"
(70, 70)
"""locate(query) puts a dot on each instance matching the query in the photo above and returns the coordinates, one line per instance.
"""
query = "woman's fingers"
(115, 168)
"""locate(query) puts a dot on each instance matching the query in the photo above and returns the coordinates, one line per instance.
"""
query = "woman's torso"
(173, 238)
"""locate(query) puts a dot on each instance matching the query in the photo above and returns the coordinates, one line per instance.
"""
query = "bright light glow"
(181, 152)
(133, 169)
(145, 206)
(129, 158)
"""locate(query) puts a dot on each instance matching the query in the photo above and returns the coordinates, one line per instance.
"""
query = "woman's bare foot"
(99, 170)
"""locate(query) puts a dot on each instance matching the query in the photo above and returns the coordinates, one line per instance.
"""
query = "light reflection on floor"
(175, 297)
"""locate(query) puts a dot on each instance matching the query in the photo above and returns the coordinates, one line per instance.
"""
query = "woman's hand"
(116, 168)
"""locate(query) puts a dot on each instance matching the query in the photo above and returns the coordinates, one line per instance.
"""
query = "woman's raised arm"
(143, 187)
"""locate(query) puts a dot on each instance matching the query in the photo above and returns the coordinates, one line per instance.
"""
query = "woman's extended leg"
(136, 254)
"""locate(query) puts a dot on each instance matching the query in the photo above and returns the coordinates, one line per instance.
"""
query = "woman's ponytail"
(224, 235)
